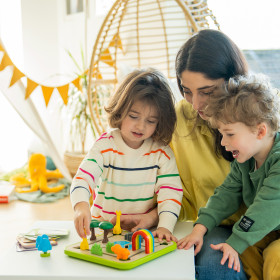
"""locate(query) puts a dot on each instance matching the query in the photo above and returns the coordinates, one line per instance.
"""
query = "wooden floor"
(18, 216)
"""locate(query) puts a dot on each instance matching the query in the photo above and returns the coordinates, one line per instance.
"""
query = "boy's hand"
(194, 238)
(228, 253)
(82, 218)
(164, 233)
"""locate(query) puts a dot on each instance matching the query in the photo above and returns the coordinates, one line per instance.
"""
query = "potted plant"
(81, 128)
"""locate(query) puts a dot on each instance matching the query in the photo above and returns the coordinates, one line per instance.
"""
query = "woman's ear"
(261, 130)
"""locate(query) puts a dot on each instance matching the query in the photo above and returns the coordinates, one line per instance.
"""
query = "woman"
(203, 63)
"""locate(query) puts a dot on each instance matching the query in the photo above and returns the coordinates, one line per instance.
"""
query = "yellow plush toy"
(38, 176)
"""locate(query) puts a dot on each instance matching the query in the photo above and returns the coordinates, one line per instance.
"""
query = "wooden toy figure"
(93, 224)
(106, 226)
(122, 253)
(43, 244)
(117, 228)
(84, 244)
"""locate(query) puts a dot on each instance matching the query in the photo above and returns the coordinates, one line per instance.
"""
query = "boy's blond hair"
(247, 99)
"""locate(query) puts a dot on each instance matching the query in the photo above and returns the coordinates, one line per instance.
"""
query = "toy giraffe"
(117, 228)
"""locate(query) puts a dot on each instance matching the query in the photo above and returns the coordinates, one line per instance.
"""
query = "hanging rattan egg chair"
(139, 34)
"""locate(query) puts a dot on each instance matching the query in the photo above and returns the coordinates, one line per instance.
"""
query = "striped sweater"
(133, 181)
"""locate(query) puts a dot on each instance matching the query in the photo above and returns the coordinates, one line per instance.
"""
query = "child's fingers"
(77, 226)
(160, 236)
(113, 220)
(80, 228)
(230, 261)
(180, 244)
(236, 265)
(86, 226)
(167, 237)
(184, 244)
(173, 238)
(216, 247)
(197, 249)
(224, 258)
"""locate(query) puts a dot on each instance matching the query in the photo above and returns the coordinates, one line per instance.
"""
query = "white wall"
(36, 34)
(251, 24)
(11, 29)
(13, 146)
(40, 36)
(48, 32)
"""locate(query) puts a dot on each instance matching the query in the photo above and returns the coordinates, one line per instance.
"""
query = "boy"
(246, 112)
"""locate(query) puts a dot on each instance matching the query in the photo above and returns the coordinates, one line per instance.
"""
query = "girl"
(136, 166)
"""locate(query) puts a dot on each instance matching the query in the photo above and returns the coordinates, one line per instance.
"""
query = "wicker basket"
(73, 160)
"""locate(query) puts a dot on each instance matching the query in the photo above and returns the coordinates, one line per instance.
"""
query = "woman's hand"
(82, 218)
(134, 222)
(164, 233)
(194, 238)
(228, 253)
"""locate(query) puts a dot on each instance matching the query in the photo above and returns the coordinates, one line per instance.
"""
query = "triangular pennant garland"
(47, 93)
(116, 41)
(106, 57)
(96, 72)
(76, 83)
(30, 87)
(6, 61)
(16, 76)
(63, 91)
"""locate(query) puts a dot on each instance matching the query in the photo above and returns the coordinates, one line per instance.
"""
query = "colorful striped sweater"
(133, 181)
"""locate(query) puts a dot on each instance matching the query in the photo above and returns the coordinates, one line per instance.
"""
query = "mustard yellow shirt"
(200, 169)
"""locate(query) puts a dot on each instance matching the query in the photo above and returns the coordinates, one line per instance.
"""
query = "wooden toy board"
(136, 257)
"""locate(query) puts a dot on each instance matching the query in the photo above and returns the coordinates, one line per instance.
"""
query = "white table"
(178, 264)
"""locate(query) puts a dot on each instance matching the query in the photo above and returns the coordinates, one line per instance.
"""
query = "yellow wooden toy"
(117, 228)
(84, 244)
(38, 176)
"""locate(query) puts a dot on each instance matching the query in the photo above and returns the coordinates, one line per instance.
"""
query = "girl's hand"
(82, 219)
(194, 238)
(228, 253)
(134, 222)
(164, 233)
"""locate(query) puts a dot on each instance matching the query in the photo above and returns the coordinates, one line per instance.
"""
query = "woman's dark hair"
(215, 55)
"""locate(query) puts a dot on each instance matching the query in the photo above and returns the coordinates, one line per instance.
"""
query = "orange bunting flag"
(16, 76)
(47, 93)
(76, 83)
(30, 87)
(106, 57)
(6, 61)
(1, 48)
(63, 91)
(116, 41)
(96, 72)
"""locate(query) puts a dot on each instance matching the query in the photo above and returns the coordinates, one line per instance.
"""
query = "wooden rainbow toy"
(149, 240)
